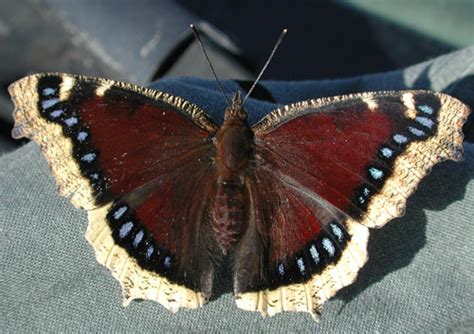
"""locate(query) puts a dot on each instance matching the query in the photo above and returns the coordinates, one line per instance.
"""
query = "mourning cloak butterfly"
(169, 193)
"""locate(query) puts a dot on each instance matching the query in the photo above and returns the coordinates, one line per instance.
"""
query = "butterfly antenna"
(277, 44)
(198, 38)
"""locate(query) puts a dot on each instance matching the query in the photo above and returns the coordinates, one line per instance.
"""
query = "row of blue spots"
(423, 120)
(46, 104)
(376, 173)
(326, 243)
(388, 153)
(126, 229)
(328, 246)
(49, 100)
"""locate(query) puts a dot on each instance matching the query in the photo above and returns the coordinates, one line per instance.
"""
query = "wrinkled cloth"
(419, 277)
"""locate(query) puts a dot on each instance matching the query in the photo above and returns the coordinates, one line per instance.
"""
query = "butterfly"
(170, 194)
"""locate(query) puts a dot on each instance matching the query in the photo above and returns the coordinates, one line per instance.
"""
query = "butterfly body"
(169, 193)
(234, 155)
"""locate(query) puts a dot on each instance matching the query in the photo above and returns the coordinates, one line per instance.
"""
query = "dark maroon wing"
(105, 138)
(157, 240)
(298, 249)
(326, 170)
(138, 159)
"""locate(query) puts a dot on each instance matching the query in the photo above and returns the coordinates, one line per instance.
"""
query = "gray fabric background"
(419, 276)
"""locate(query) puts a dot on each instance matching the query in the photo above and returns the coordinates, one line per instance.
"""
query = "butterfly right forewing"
(104, 138)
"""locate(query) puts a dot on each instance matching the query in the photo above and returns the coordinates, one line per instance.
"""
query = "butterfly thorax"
(234, 148)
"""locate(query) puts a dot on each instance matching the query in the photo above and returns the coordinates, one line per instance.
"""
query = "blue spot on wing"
(125, 229)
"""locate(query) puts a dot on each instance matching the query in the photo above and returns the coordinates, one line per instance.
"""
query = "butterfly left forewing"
(364, 153)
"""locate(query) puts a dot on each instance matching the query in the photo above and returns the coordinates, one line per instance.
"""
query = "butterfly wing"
(364, 152)
(138, 160)
(157, 242)
(298, 249)
(325, 170)
(104, 138)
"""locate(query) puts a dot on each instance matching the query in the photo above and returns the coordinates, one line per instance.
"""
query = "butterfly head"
(235, 111)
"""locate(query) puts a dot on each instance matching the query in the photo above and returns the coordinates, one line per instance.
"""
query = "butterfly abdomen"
(229, 214)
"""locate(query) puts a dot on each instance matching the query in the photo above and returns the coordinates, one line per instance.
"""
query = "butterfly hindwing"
(157, 241)
(298, 250)
(139, 161)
